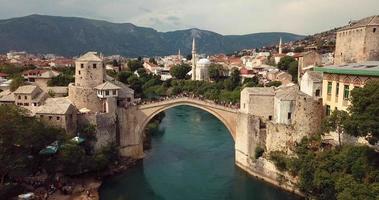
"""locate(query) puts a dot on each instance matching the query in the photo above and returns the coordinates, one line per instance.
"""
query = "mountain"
(71, 36)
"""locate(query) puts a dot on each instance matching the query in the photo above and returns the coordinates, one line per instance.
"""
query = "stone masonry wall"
(84, 98)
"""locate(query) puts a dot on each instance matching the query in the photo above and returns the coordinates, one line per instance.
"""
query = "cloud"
(223, 16)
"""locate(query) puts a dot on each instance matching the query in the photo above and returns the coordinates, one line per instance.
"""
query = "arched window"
(374, 30)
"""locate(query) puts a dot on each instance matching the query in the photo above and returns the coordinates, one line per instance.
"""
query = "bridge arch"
(134, 119)
(184, 103)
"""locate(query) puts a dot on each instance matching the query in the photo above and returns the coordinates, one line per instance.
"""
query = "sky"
(222, 16)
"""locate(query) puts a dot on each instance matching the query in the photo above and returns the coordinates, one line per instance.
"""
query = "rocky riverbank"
(59, 187)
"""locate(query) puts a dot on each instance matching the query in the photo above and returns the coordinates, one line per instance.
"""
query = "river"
(192, 158)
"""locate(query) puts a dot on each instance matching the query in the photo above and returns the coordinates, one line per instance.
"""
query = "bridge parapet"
(189, 100)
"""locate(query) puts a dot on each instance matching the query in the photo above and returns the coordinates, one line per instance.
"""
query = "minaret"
(193, 59)
(280, 45)
(179, 55)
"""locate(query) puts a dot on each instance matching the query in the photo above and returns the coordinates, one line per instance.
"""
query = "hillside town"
(287, 90)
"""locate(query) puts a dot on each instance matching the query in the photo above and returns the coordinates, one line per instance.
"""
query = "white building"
(311, 84)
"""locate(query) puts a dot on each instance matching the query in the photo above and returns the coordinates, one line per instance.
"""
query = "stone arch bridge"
(133, 120)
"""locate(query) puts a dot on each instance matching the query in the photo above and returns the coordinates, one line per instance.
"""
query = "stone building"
(89, 73)
(59, 112)
(311, 84)
(40, 77)
(308, 60)
(274, 119)
(358, 42)
(29, 96)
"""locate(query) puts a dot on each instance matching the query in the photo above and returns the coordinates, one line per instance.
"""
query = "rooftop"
(90, 56)
(368, 21)
(369, 68)
(26, 89)
(107, 86)
(287, 93)
(260, 90)
(55, 106)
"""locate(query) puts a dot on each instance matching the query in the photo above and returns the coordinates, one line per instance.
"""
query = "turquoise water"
(192, 158)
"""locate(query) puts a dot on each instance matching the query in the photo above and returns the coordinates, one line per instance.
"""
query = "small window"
(34, 104)
(114, 92)
(327, 110)
(270, 117)
(346, 92)
(374, 30)
(81, 65)
(337, 89)
(329, 91)
(26, 104)
(79, 72)
(58, 118)
(19, 97)
(50, 117)
(107, 92)
(244, 105)
(128, 99)
(317, 93)
(25, 97)
(41, 116)
(94, 66)
(289, 115)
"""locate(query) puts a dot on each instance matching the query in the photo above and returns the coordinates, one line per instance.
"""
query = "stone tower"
(193, 59)
(89, 71)
(358, 42)
(280, 46)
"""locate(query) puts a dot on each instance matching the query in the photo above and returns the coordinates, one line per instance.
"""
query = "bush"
(280, 160)
(259, 152)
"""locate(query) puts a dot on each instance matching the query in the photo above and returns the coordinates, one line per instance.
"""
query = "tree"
(123, 76)
(335, 122)
(285, 62)
(180, 71)
(235, 77)
(133, 65)
(216, 72)
(274, 83)
(299, 49)
(61, 80)
(364, 112)
(17, 81)
(189, 57)
(293, 70)
(152, 60)
(21, 139)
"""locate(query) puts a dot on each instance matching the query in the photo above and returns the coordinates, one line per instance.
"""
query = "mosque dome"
(204, 62)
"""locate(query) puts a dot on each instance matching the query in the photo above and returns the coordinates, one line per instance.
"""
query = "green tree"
(21, 139)
(123, 76)
(274, 83)
(152, 60)
(216, 72)
(17, 81)
(299, 49)
(133, 65)
(364, 112)
(335, 122)
(293, 70)
(285, 62)
(61, 80)
(180, 71)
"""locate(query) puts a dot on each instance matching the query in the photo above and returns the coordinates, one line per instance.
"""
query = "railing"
(191, 99)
